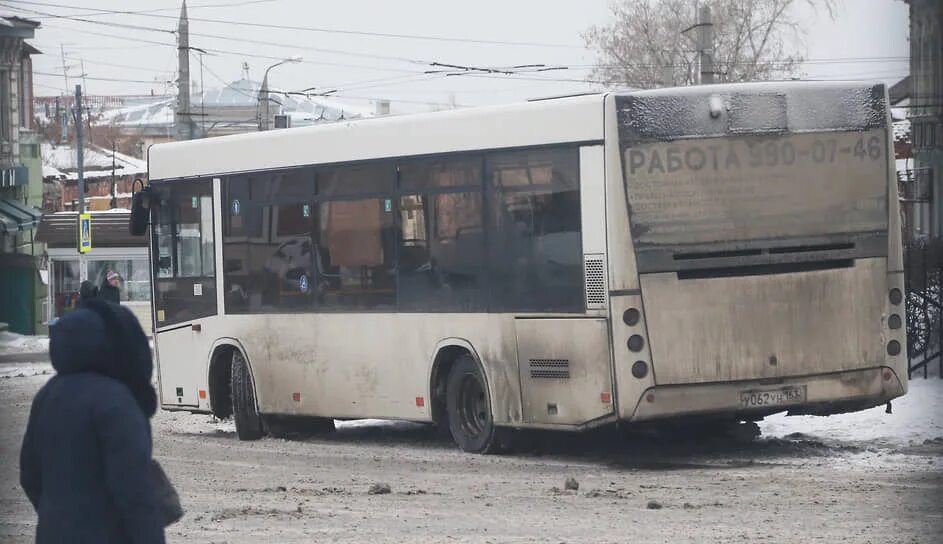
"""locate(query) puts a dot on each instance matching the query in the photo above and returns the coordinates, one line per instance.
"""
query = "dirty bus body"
(723, 252)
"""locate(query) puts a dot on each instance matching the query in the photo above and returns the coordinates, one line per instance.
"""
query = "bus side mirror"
(140, 210)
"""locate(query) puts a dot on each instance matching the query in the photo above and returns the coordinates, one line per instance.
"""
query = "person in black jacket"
(87, 291)
(110, 288)
(86, 457)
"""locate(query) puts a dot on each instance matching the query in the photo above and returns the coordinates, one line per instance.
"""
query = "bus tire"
(468, 406)
(244, 410)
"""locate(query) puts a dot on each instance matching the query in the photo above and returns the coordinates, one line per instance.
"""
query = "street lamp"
(263, 91)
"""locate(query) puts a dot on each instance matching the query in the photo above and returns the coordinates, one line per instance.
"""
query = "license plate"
(773, 397)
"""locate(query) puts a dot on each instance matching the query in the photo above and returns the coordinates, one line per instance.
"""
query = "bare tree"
(646, 44)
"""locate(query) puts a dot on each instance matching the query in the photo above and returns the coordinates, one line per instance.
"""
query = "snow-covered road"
(862, 477)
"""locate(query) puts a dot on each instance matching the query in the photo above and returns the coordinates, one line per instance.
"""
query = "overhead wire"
(83, 76)
(341, 31)
(96, 12)
(109, 24)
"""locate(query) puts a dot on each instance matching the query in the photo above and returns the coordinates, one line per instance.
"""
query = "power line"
(87, 48)
(335, 31)
(231, 52)
(95, 12)
(89, 21)
(115, 36)
(152, 82)
(113, 65)
(486, 69)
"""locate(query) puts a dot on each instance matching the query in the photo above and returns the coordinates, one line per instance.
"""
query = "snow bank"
(11, 342)
(916, 417)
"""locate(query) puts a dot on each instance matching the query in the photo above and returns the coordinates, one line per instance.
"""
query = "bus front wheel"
(469, 408)
(244, 410)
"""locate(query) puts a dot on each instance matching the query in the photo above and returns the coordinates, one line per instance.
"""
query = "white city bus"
(724, 252)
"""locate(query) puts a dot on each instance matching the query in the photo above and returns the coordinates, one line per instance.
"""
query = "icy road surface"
(864, 477)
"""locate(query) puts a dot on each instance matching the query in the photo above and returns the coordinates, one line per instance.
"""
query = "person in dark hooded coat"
(85, 461)
(110, 289)
(87, 291)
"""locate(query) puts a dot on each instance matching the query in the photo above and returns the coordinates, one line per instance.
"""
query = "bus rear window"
(757, 187)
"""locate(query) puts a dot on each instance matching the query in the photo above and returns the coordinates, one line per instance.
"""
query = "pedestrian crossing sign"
(85, 233)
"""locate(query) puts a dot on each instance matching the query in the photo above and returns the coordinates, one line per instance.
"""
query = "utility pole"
(182, 115)
(114, 186)
(65, 70)
(79, 151)
(264, 99)
(705, 44)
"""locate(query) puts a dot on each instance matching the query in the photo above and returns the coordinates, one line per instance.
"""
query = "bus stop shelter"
(113, 249)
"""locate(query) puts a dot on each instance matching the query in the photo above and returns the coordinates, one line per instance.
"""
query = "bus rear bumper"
(821, 394)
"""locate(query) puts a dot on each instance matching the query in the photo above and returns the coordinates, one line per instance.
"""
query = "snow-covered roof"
(242, 93)
(60, 162)
(51, 172)
(159, 113)
(901, 130)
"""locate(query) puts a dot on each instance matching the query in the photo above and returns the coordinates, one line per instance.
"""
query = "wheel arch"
(446, 352)
(219, 375)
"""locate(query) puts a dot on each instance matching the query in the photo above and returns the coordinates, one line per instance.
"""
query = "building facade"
(926, 113)
(21, 287)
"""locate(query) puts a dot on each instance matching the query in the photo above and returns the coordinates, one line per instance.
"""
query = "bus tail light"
(640, 369)
(296, 397)
(202, 393)
(893, 348)
(895, 296)
(894, 322)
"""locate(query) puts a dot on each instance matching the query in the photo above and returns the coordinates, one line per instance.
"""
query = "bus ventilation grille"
(595, 271)
(553, 369)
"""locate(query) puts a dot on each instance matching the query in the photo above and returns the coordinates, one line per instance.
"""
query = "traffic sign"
(85, 233)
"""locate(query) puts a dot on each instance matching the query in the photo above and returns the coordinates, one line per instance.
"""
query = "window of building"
(65, 285)
(134, 285)
(5, 103)
(534, 240)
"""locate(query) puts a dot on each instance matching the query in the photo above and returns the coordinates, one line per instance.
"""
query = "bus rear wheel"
(469, 408)
(244, 410)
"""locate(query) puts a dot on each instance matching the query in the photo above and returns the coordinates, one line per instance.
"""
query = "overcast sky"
(867, 39)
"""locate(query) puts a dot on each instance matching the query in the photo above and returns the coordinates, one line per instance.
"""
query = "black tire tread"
(244, 410)
(495, 439)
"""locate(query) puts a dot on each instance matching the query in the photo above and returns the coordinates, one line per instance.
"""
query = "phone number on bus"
(760, 153)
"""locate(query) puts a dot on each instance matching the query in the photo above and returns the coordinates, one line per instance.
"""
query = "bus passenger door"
(566, 376)
(183, 251)
(179, 367)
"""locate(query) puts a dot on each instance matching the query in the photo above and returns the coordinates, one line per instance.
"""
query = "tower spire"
(182, 119)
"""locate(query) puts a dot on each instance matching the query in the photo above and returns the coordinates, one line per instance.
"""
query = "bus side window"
(534, 235)
(441, 249)
(355, 239)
